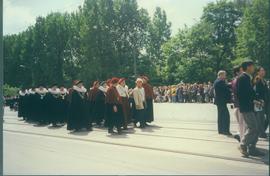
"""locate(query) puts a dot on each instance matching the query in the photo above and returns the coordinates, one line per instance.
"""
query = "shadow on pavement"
(117, 136)
(80, 133)
(264, 159)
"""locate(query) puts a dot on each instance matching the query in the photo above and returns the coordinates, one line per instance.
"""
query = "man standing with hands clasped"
(246, 97)
(222, 97)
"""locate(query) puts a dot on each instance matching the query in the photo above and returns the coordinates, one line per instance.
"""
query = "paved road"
(175, 144)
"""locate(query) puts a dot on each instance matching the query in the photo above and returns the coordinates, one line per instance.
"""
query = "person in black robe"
(97, 99)
(52, 104)
(41, 106)
(22, 103)
(149, 96)
(31, 105)
(63, 105)
(78, 116)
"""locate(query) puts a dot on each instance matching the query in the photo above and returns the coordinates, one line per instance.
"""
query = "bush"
(10, 91)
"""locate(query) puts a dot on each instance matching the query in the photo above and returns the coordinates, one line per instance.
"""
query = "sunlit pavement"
(182, 140)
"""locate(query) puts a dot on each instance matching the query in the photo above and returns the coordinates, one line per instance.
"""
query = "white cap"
(139, 79)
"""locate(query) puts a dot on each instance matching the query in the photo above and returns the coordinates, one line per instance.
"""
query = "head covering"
(102, 83)
(121, 80)
(76, 82)
(145, 77)
(108, 81)
(95, 83)
(139, 79)
(114, 80)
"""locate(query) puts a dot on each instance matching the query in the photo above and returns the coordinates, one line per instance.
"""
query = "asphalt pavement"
(182, 140)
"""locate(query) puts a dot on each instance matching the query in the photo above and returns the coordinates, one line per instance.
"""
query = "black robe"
(52, 105)
(63, 108)
(31, 107)
(98, 106)
(78, 116)
(41, 112)
(22, 105)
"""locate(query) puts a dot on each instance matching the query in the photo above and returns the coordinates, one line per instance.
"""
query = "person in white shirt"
(122, 90)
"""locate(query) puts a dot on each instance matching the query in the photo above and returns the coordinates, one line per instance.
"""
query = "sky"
(19, 14)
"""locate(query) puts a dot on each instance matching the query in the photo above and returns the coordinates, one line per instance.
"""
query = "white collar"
(78, 89)
(31, 91)
(23, 93)
(64, 91)
(44, 91)
(56, 91)
(102, 88)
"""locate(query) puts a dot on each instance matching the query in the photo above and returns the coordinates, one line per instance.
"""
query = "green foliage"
(10, 91)
(106, 38)
(254, 34)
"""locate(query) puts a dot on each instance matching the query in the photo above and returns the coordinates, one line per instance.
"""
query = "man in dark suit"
(246, 98)
(222, 97)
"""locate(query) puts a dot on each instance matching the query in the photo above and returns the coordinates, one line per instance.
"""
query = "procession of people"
(109, 104)
(113, 105)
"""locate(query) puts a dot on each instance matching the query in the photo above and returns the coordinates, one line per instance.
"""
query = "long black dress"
(41, 114)
(22, 105)
(98, 106)
(53, 112)
(78, 117)
(63, 108)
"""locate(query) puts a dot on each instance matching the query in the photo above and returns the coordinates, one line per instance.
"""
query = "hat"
(121, 80)
(76, 82)
(145, 77)
(139, 79)
(114, 80)
(108, 81)
(95, 83)
(103, 82)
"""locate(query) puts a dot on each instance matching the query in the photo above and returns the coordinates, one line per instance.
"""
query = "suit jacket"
(261, 89)
(222, 92)
(138, 98)
(245, 93)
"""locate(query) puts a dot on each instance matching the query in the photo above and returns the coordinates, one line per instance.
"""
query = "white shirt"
(123, 91)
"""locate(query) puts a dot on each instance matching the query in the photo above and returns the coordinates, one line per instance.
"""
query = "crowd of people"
(108, 104)
(250, 94)
(185, 93)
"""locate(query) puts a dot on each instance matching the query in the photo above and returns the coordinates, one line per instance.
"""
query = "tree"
(224, 16)
(254, 34)
(159, 33)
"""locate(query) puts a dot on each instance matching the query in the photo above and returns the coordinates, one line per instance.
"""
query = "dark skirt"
(126, 111)
(98, 111)
(149, 113)
(114, 119)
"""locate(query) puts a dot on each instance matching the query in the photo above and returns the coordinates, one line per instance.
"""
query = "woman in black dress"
(78, 115)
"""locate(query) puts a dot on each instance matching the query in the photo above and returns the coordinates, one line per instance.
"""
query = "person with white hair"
(222, 97)
(140, 104)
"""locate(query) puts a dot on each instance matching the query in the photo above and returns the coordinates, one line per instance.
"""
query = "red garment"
(92, 94)
(113, 96)
(149, 93)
